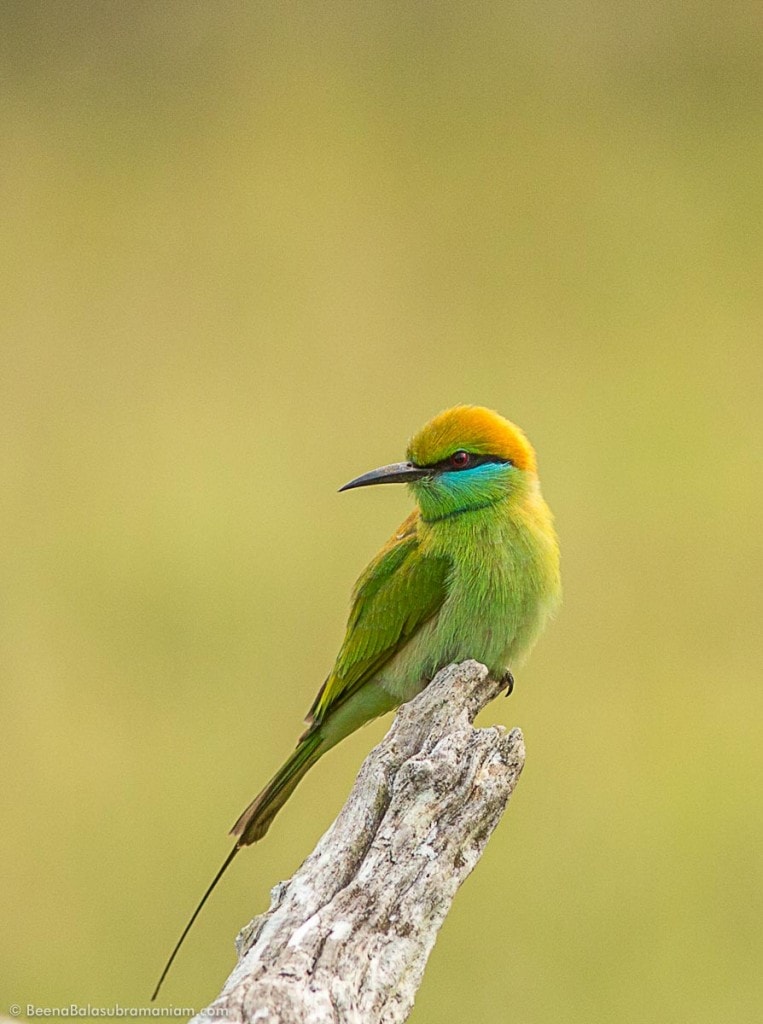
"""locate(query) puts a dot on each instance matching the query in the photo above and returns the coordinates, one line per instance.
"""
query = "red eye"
(460, 460)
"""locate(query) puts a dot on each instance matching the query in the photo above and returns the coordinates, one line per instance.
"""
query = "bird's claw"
(507, 680)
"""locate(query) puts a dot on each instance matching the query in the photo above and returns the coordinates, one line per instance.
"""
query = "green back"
(398, 592)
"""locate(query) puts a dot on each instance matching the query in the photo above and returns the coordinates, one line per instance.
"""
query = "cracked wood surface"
(347, 938)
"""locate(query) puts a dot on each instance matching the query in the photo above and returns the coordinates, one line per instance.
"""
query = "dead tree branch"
(346, 939)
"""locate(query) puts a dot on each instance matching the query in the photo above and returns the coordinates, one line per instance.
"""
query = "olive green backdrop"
(247, 249)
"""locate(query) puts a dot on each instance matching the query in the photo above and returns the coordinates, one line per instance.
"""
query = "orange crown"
(473, 429)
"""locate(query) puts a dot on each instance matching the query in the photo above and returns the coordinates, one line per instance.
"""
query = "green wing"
(397, 593)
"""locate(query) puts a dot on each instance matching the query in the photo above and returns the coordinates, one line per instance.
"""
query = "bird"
(473, 572)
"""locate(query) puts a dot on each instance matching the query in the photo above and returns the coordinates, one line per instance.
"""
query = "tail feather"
(258, 816)
(256, 820)
(195, 914)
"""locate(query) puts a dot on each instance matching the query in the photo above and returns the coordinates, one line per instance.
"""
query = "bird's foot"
(507, 680)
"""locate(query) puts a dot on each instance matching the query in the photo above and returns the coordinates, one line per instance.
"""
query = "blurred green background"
(247, 250)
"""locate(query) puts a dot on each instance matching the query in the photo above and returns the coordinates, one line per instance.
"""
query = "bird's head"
(465, 458)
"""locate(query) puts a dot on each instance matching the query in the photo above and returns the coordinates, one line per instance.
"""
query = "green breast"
(503, 586)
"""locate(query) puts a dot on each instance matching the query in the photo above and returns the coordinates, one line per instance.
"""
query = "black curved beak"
(396, 473)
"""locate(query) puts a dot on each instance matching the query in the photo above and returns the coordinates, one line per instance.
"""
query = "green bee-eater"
(473, 572)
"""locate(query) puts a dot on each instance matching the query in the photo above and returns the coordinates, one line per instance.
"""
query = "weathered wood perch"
(346, 940)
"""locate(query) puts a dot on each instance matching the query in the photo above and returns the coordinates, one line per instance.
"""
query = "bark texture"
(346, 939)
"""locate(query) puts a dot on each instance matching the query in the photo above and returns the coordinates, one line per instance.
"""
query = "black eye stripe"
(445, 465)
